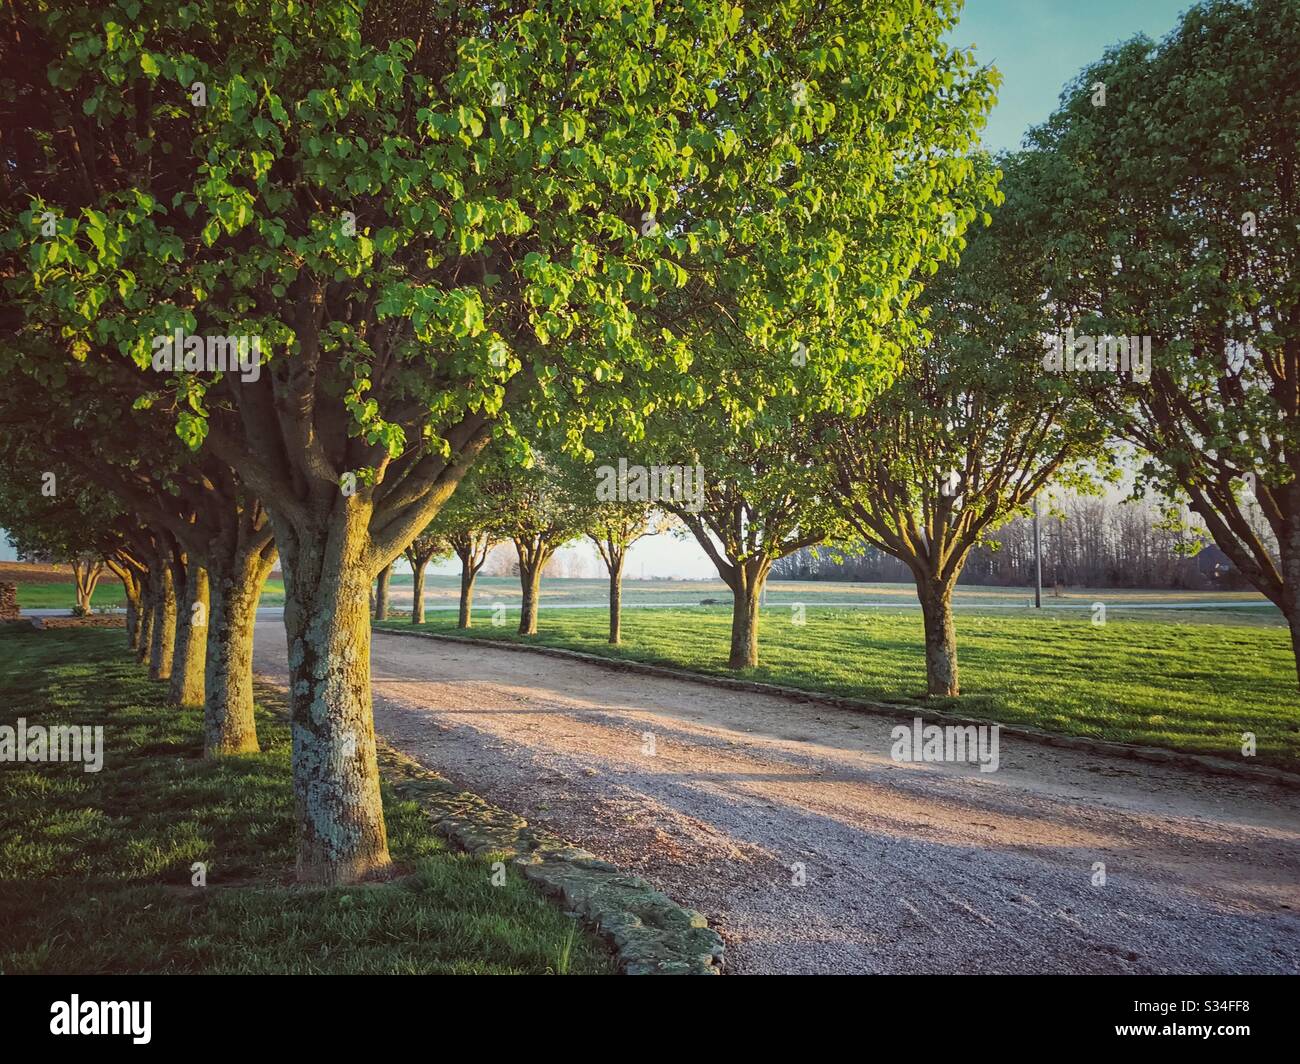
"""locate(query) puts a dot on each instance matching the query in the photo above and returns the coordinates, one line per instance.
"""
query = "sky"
(1040, 45)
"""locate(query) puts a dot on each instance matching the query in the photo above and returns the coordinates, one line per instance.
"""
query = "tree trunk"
(1294, 622)
(229, 726)
(1289, 600)
(381, 598)
(191, 639)
(940, 639)
(132, 588)
(530, 580)
(467, 574)
(164, 627)
(148, 608)
(616, 598)
(417, 603)
(341, 833)
(747, 593)
(86, 575)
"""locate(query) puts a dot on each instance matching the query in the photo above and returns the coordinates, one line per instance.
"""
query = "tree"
(189, 654)
(468, 523)
(71, 527)
(614, 528)
(125, 564)
(970, 432)
(433, 218)
(543, 515)
(756, 501)
(382, 592)
(601, 511)
(423, 549)
(1170, 208)
(86, 571)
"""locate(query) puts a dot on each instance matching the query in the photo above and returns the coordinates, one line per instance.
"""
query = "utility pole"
(1038, 561)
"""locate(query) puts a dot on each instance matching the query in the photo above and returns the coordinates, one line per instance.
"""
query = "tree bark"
(229, 725)
(417, 603)
(1294, 622)
(746, 592)
(530, 580)
(327, 576)
(1290, 559)
(381, 597)
(148, 604)
(616, 597)
(940, 639)
(467, 574)
(86, 575)
(191, 639)
(132, 623)
(164, 627)
(131, 586)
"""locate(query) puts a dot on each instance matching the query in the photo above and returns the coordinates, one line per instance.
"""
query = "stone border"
(651, 934)
(94, 620)
(1159, 755)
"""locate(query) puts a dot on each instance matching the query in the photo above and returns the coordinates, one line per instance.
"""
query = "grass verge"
(95, 868)
(109, 593)
(1195, 687)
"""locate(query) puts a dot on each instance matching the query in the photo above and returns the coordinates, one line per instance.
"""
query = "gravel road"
(791, 828)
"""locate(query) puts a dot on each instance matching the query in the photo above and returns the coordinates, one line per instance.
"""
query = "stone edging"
(1159, 755)
(97, 620)
(651, 934)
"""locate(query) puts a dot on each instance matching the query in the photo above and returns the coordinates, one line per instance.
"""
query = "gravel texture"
(904, 868)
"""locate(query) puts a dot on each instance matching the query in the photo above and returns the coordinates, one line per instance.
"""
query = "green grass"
(1165, 679)
(37, 596)
(95, 867)
(443, 590)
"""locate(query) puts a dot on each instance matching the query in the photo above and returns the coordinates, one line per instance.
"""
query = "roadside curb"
(1158, 755)
(651, 934)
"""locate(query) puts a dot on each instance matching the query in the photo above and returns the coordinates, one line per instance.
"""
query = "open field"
(1233, 607)
(50, 587)
(95, 868)
(1178, 679)
(39, 573)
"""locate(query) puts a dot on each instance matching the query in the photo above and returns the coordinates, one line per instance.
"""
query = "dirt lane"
(905, 868)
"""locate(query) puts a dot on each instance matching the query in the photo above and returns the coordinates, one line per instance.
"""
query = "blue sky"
(1039, 45)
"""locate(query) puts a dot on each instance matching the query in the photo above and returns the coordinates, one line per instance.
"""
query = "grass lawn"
(1164, 679)
(47, 596)
(442, 591)
(95, 867)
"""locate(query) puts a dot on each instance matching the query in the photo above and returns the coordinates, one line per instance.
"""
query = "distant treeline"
(1095, 544)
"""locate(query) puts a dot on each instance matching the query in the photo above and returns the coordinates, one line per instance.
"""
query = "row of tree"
(519, 244)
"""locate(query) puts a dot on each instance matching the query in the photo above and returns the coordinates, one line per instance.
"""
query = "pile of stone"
(8, 602)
